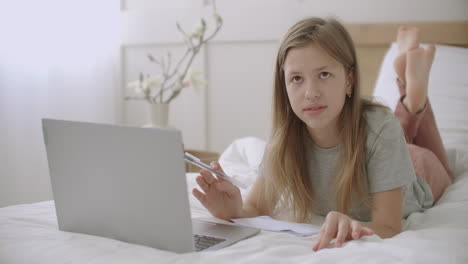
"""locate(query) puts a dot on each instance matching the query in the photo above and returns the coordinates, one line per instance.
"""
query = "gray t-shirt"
(388, 166)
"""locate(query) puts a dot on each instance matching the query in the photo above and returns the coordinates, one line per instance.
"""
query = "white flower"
(135, 87)
(199, 29)
(152, 82)
(145, 84)
(196, 80)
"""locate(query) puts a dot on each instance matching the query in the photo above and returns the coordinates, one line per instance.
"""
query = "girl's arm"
(255, 204)
(387, 210)
(386, 221)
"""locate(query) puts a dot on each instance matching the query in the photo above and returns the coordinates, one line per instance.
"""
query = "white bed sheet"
(29, 234)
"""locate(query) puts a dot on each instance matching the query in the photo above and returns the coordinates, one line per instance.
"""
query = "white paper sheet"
(269, 224)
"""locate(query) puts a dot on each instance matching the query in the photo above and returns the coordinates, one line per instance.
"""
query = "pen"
(197, 162)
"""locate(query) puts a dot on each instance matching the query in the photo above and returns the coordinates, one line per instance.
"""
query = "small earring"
(349, 95)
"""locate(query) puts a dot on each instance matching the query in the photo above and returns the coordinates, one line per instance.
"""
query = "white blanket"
(29, 232)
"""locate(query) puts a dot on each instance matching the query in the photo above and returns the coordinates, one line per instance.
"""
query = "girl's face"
(317, 85)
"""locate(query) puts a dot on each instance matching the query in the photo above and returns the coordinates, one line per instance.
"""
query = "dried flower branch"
(164, 87)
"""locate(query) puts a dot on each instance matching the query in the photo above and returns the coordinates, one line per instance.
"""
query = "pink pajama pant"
(425, 145)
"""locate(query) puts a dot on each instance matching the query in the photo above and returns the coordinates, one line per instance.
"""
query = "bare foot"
(408, 38)
(418, 66)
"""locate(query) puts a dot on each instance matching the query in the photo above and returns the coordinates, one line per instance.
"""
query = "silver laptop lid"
(126, 183)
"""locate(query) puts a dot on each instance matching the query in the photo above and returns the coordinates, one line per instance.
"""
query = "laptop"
(127, 183)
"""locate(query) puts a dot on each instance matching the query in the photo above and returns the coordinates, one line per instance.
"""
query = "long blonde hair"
(287, 184)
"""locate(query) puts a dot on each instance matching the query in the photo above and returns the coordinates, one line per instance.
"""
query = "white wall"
(239, 61)
(58, 59)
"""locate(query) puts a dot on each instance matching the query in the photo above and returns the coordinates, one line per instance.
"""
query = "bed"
(29, 232)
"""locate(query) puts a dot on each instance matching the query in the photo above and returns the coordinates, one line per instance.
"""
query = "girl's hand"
(342, 227)
(220, 197)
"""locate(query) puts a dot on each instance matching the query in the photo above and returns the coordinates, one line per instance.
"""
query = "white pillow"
(242, 158)
(448, 91)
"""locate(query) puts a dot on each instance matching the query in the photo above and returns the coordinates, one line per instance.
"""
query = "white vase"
(158, 115)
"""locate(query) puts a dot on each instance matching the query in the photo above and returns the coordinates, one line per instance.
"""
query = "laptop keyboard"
(204, 242)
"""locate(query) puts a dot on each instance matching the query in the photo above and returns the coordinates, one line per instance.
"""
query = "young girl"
(336, 154)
